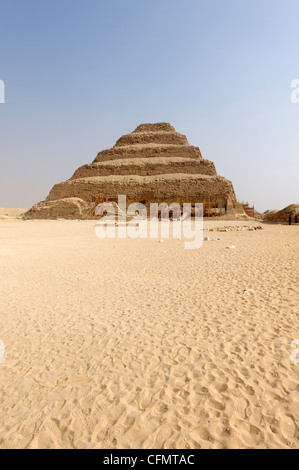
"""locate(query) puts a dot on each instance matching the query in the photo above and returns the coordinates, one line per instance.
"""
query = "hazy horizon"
(78, 75)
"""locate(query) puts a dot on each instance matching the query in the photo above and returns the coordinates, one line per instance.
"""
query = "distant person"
(296, 219)
(290, 220)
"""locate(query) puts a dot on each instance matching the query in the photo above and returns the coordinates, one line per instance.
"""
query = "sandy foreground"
(140, 344)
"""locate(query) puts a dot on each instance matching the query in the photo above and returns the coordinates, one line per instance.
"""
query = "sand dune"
(11, 212)
(136, 344)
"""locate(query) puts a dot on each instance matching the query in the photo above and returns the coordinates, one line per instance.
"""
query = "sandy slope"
(10, 213)
(137, 344)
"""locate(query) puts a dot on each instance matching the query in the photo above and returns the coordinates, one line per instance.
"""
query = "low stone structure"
(152, 164)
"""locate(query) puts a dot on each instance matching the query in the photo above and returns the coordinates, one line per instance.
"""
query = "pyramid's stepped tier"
(149, 150)
(160, 134)
(179, 188)
(152, 164)
(159, 138)
(146, 167)
(156, 127)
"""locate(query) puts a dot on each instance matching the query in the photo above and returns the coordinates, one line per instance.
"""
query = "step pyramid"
(154, 163)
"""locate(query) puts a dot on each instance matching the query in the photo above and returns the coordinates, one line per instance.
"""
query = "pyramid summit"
(154, 163)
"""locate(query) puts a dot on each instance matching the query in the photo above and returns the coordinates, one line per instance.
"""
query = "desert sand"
(138, 344)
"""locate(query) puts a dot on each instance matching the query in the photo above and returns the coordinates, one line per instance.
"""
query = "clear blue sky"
(79, 74)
